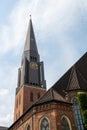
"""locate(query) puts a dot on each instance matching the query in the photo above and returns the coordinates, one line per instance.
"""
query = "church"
(38, 109)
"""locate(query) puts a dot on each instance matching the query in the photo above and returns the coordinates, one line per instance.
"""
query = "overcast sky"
(61, 33)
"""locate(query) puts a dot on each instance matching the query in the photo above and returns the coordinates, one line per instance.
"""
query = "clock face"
(33, 65)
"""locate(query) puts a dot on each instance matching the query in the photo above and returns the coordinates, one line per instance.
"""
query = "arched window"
(77, 113)
(65, 124)
(17, 103)
(38, 95)
(27, 127)
(31, 97)
(19, 99)
(44, 124)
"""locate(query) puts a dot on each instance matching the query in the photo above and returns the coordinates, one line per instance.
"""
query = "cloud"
(60, 29)
(3, 92)
(13, 34)
(5, 120)
(7, 93)
(6, 111)
(61, 14)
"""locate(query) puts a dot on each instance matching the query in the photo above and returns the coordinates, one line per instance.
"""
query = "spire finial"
(30, 16)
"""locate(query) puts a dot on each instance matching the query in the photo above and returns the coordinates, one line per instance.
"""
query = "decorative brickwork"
(53, 111)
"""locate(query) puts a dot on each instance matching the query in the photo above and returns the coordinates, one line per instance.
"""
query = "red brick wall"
(72, 94)
(27, 92)
(18, 108)
(52, 111)
(22, 99)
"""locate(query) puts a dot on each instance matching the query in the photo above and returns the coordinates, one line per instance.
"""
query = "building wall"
(18, 108)
(77, 111)
(52, 111)
(3, 128)
(23, 99)
(72, 94)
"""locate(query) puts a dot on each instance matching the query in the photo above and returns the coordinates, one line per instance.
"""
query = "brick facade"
(53, 111)
(72, 94)
(33, 104)
(23, 99)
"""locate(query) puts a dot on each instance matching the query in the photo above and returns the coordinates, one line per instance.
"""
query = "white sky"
(60, 28)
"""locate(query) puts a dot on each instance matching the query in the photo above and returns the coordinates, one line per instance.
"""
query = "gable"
(81, 77)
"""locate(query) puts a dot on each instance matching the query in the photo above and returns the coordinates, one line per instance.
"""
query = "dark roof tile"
(49, 96)
(69, 79)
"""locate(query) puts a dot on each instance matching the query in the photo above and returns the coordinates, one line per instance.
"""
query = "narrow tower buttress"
(31, 82)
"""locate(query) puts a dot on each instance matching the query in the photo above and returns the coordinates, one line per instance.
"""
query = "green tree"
(85, 117)
(83, 104)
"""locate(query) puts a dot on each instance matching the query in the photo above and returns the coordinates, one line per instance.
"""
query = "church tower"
(31, 83)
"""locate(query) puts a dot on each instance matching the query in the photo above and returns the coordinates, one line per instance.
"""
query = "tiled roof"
(74, 78)
(51, 95)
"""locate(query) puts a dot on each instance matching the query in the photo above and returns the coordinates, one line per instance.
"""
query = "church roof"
(73, 83)
(51, 95)
(74, 79)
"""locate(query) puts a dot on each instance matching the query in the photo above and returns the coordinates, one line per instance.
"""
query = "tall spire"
(30, 42)
(31, 81)
(31, 71)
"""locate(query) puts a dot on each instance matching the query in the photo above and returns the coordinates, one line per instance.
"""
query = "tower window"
(30, 83)
(31, 97)
(19, 113)
(33, 83)
(35, 59)
(32, 58)
(17, 103)
(16, 116)
(19, 99)
(38, 95)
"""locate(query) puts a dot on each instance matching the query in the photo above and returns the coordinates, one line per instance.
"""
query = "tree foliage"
(83, 104)
(85, 117)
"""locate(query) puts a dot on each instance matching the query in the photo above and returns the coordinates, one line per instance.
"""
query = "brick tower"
(31, 83)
